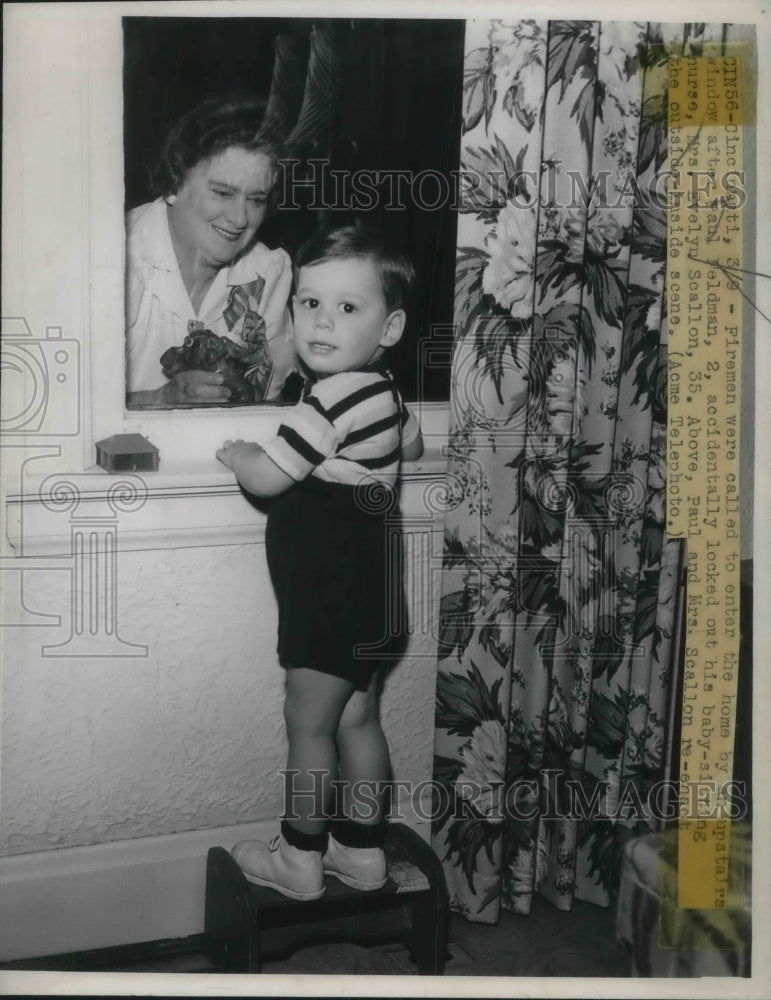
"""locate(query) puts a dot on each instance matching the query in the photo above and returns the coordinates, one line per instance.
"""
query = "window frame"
(175, 432)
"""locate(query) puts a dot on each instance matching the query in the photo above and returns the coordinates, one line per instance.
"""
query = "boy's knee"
(291, 707)
(297, 719)
(305, 719)
(355, 723)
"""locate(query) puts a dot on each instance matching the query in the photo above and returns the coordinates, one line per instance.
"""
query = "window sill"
(195, 505)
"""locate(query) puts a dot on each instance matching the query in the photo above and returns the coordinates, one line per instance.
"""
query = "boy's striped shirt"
(347, 427)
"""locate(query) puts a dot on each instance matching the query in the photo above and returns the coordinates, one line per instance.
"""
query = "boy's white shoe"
(359, 867)
(277, 865)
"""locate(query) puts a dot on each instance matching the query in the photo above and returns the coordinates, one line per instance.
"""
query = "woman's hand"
(194, 387)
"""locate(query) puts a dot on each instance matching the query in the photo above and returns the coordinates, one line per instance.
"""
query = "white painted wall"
(192, 736)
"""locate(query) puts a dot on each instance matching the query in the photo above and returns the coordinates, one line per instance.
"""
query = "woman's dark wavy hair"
(204, 131)
(394, 269)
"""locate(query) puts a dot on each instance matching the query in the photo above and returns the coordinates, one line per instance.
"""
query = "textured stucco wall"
(191, 736)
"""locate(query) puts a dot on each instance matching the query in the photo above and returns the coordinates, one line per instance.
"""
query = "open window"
(370, 111)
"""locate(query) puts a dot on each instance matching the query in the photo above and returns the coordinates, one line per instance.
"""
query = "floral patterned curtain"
(560, 590)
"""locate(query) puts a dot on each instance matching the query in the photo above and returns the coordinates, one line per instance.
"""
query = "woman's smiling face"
(220, 207)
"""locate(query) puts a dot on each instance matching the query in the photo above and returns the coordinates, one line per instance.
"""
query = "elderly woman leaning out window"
(206, 314)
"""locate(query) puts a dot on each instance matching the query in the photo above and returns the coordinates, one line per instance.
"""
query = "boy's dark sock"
(303, 841)
(352, 834)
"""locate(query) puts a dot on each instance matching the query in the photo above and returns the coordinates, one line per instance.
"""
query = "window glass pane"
(379, 146)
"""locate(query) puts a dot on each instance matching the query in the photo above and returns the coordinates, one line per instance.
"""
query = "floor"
(546, 943)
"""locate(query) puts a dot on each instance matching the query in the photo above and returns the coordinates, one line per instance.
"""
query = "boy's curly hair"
(396, 273)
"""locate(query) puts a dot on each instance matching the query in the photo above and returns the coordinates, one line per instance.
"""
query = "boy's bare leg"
(364, 756)
(313, 707)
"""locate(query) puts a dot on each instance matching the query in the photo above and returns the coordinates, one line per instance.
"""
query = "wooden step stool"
(246, 925)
